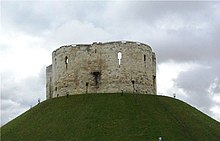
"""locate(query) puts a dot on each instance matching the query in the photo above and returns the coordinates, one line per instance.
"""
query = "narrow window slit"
(66, 61)
(119, 58)
(87, 84)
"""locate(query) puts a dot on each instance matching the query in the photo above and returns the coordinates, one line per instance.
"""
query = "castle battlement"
(109, 67)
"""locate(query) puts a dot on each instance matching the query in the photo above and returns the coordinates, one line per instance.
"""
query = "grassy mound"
(112, 117)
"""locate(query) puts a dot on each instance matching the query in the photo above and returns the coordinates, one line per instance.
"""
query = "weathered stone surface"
(94, 68)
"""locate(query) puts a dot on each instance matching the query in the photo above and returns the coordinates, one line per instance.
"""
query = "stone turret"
(109, 67)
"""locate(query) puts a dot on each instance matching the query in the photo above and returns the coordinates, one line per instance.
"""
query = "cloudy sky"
(184, 35)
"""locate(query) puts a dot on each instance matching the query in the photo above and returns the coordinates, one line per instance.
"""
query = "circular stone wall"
(102, 68)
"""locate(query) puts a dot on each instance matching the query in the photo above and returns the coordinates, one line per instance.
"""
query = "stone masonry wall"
(95, 68)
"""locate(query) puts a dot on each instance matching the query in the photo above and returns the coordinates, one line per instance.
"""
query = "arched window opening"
(66, 61)
(119, 58)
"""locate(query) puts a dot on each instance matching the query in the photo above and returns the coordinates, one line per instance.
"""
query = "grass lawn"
(112, 117)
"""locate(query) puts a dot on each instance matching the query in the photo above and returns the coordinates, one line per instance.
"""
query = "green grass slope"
(112, 117)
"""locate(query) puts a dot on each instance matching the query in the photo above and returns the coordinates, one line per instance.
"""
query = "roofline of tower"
(100, 43)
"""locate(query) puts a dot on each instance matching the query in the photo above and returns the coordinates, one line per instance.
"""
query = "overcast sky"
(184, 35)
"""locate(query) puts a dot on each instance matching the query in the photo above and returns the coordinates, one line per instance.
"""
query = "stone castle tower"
(111, 67)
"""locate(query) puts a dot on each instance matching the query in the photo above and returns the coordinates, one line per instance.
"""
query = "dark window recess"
(87, 84)
(144, 57)
(55, 88)
(97, 77)
(132, 81)
(154, 81)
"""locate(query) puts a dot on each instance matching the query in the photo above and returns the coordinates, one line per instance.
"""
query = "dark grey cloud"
(180, 31)
(186, 31)
(201, 85)
(149, 11)
(19, 95)
(37, 16)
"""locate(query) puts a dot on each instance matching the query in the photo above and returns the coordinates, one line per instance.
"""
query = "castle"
(111, 67)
